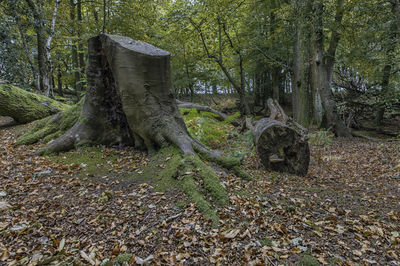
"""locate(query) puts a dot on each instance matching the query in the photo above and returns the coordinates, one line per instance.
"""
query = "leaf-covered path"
(346, 211)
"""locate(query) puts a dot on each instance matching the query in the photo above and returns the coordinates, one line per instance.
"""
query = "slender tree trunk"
(59, 82)
(276, 82)
(104, 16)
(74, 53)
(240, 89)
(49, 74)
(44, 44)
(81, 53)
(27, 52)
(386, 73)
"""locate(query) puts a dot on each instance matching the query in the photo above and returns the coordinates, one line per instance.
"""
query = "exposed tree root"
(190, 174)
(52, 127)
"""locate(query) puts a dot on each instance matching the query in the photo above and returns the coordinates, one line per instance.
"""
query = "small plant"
(266, 242)
(321, 139)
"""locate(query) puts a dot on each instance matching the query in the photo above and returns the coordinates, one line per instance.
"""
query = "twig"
(269, 260)
(173, 217)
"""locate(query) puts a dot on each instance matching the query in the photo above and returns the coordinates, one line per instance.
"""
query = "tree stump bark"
(281, 145)
(129, 99)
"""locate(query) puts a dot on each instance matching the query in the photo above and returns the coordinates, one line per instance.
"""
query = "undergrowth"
(206, 128)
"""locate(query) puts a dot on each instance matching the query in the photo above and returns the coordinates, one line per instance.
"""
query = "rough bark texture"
(24, 106)
(129, 99)
(281, 145)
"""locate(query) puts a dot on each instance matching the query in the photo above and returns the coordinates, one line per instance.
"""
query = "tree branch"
(335, 37)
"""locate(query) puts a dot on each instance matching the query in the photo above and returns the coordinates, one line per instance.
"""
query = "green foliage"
(231, 118)
(266, 242)
(207, 129)
(321, 138)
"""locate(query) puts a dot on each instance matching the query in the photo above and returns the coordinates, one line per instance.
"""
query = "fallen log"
(24, 106)
(281, 145)
(201, 108)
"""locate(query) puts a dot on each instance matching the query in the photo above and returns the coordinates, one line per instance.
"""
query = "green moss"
(191, 189)
(124, 257)
(232, 118)
(190, 174)
(211, 181)
(308, 260)
(230, 163)
(52, 127)
(25, 106)
(205, 127)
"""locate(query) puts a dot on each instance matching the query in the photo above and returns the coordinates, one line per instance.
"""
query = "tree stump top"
(137, 46)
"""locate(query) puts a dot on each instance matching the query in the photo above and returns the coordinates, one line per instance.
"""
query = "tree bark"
(24, 106)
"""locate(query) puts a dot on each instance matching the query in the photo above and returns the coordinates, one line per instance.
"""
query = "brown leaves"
(348, 210)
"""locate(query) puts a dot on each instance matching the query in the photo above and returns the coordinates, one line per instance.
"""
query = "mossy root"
(52, 127)
(196, 179)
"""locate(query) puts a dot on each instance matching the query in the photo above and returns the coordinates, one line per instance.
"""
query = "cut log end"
(281, 148)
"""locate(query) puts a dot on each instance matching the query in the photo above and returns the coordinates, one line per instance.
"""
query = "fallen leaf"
(231, 234)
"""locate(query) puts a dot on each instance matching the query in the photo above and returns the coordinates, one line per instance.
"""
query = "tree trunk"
(390, 46)
(281, 145)
(24, 106)
(123, 104)
(322, 69)
(301, 77)
(43, 45)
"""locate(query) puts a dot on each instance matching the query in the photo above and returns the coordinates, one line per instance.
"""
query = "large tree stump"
(129, 99)
(281, 145)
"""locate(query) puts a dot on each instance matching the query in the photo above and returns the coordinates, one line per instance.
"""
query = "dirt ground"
(346, 211)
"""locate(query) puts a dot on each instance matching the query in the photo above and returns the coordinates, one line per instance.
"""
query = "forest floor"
(85, 207)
